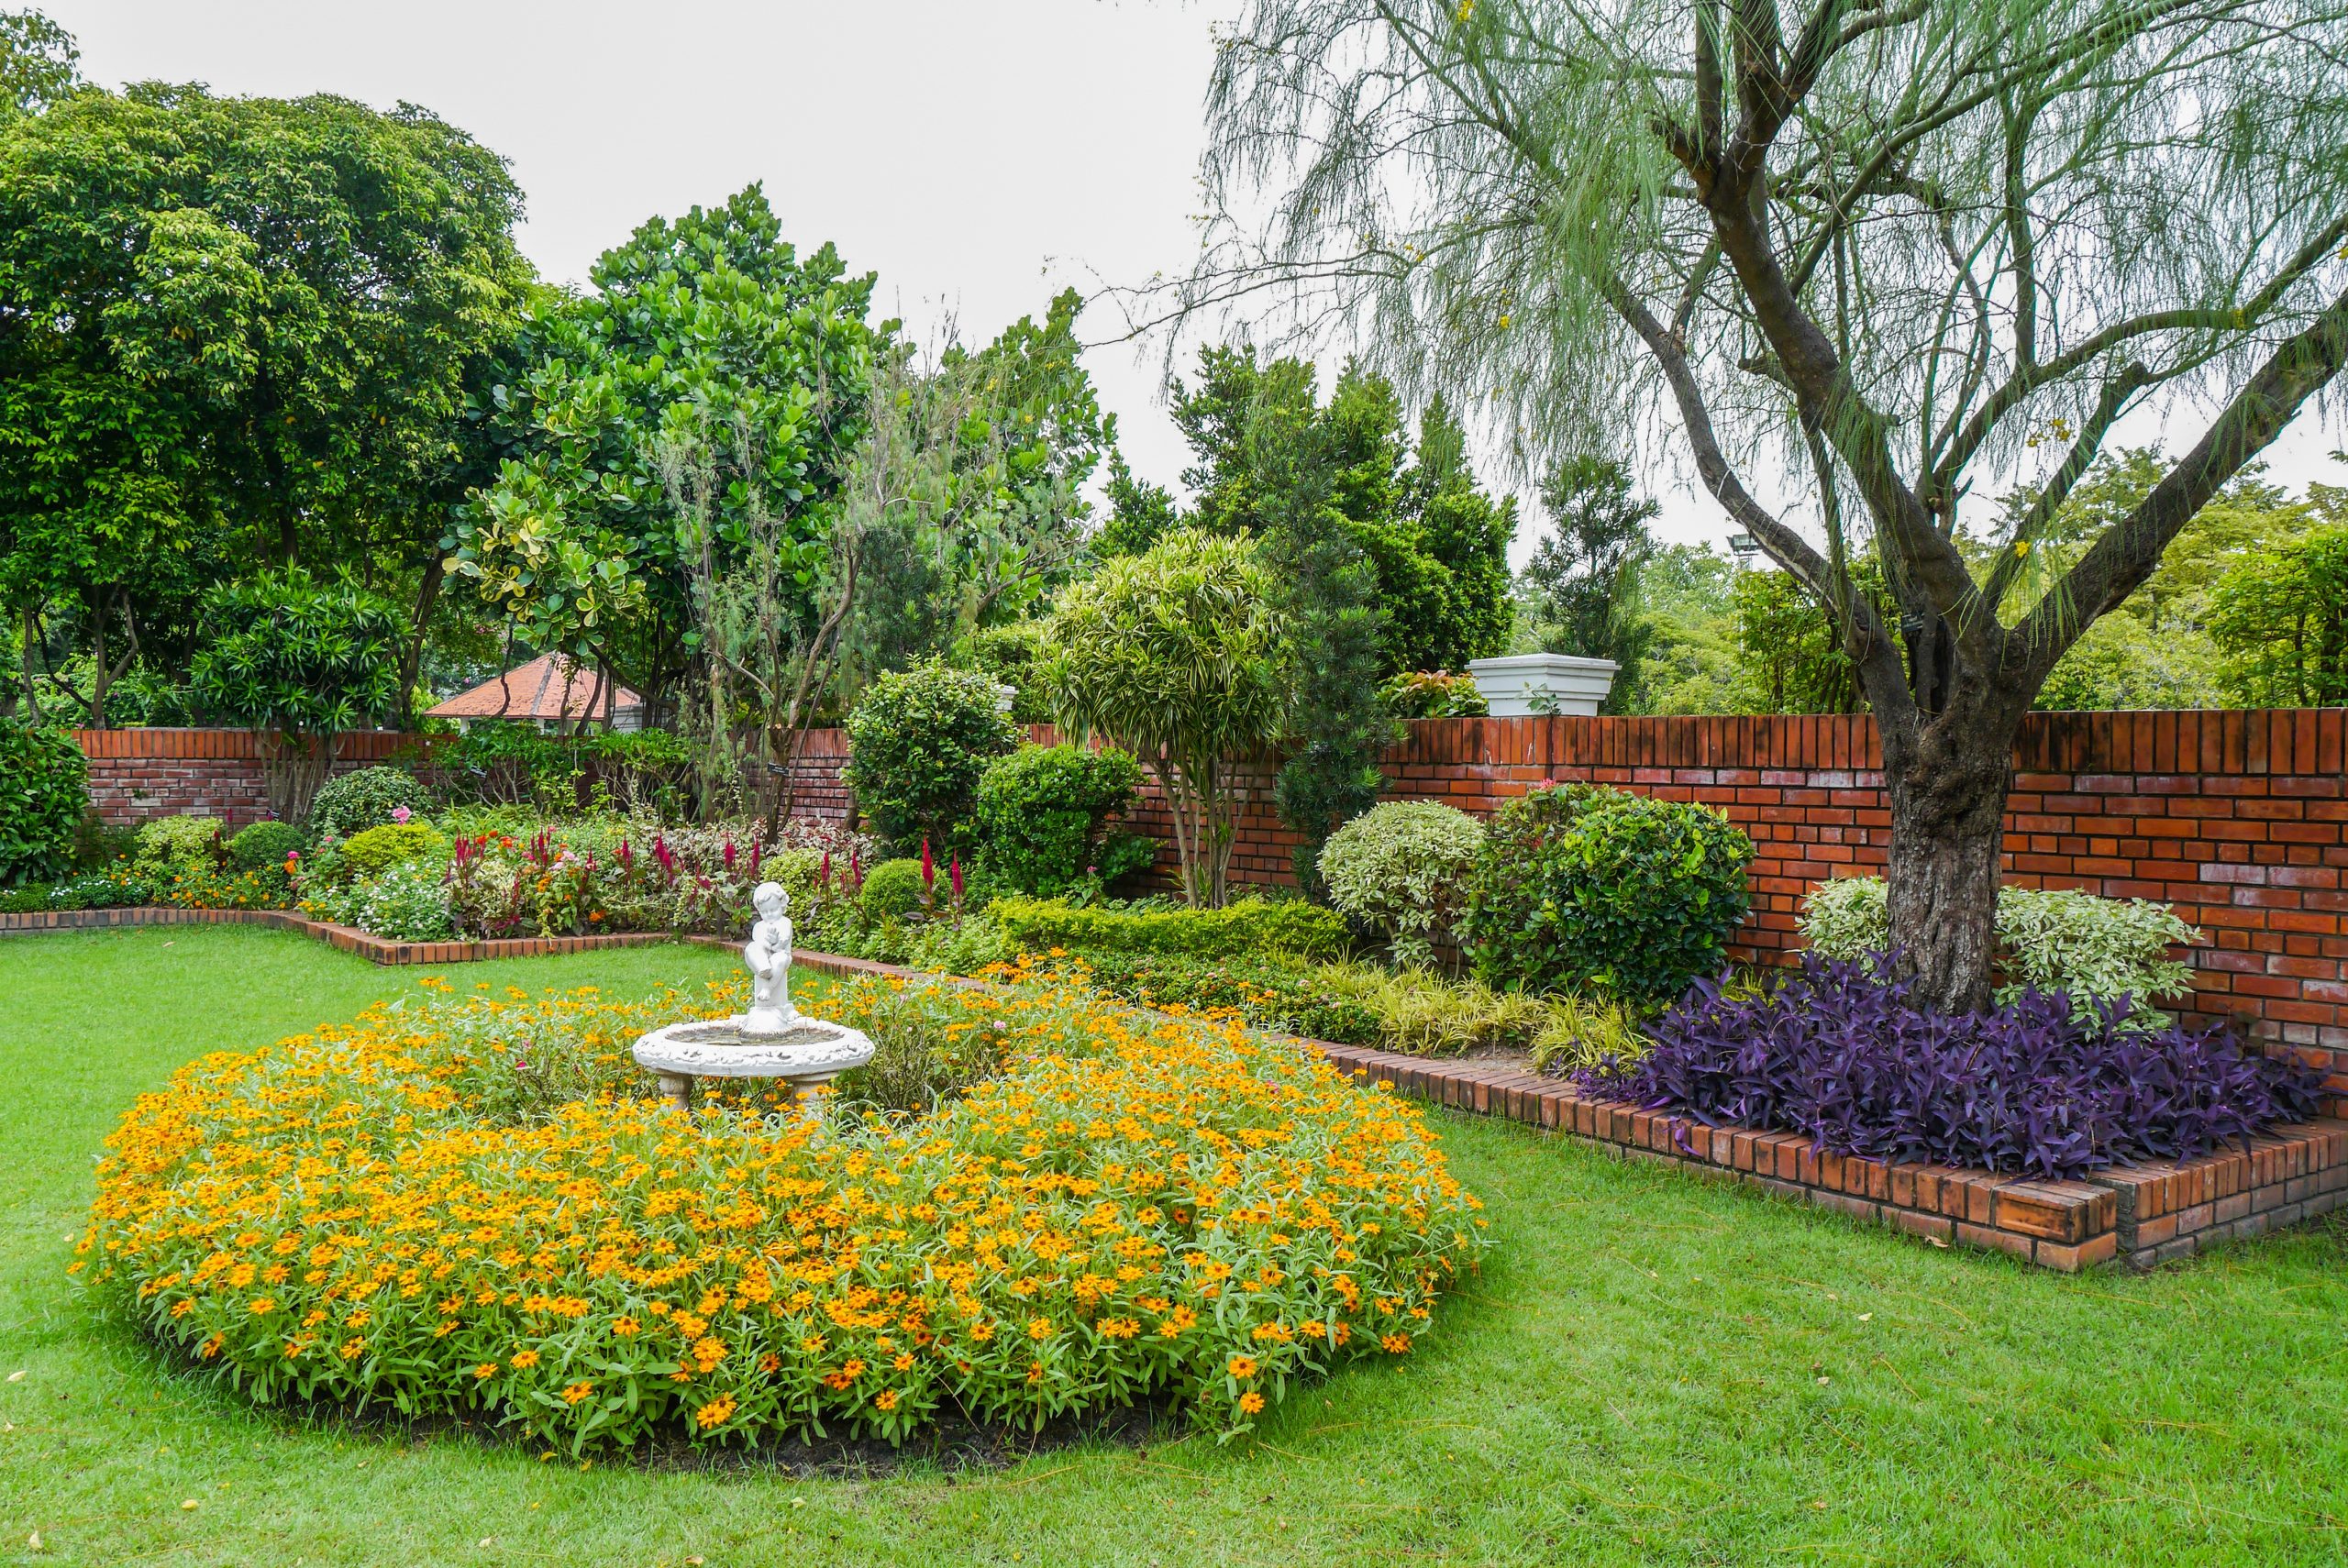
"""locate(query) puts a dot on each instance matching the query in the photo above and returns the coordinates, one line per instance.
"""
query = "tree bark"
(1947, 782)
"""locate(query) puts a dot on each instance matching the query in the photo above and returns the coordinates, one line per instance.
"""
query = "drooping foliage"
(1175, 656)
(1895, 251)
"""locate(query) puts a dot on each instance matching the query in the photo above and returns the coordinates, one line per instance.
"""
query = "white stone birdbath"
(773, 1040)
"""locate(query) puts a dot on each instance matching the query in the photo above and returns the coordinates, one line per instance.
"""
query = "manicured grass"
(1652, 1369)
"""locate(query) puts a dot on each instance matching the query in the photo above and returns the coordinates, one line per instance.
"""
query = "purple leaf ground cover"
(1839, 1050)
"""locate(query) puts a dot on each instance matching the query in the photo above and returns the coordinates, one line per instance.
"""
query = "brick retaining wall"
(139, 774)
(2239, 820)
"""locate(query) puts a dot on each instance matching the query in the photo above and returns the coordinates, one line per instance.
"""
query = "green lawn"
(1652, 1370)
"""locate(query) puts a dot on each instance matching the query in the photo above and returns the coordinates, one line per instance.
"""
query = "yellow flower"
(1242, 1366)
(525, 1359)
(1250, 1402)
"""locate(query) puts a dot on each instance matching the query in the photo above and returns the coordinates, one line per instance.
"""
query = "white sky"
(978, 154)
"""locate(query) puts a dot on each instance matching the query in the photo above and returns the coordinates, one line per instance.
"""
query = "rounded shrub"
(918, 745)
(179, 844)
(1032, 1250)
(44, 788)
(1402, 869)
(2094, 950)
(376, 851)
(264, 845)
(1583, 887)
(368, 798)
(891, 889)
(1042, 810)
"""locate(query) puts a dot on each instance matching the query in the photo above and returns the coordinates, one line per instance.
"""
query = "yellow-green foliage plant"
(472, 1208)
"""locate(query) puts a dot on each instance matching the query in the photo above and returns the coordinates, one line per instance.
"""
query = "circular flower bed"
(467, 1207)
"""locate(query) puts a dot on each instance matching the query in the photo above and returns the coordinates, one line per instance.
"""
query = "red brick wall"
(2239, 820)
(137, 774)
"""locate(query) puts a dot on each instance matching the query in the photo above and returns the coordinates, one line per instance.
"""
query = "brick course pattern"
(136, 775)
(350, 939)
(2239, 820)
(2144, 1216)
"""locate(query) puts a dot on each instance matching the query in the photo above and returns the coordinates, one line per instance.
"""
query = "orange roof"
(548, 687)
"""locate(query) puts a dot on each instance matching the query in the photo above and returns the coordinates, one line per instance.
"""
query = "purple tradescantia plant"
(1838, 1049)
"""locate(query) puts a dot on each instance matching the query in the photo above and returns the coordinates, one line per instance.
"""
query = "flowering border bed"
(1139, 1206)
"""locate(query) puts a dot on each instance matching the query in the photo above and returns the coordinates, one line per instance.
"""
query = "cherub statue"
(768, 954)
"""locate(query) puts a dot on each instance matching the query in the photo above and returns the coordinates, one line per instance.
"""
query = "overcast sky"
(978, 154)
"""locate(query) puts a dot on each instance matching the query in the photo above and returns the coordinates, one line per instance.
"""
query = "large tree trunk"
(1946, 776)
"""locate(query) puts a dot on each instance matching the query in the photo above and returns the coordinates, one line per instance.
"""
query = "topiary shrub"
(891, 890)
(2096, 950)
(1244, 926)
(1041, 811)
(1402, 869)
(1586, 887)
(376, 851)
(918, 745)
(264, 845)
(368, 798)
(44, 789)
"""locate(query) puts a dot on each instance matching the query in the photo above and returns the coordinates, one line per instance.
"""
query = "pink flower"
(928, 866)
(400, 814)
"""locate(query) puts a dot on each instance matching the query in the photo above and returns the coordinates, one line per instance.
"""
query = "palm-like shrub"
(1402, 869)
(1173, 655)
(300, 662)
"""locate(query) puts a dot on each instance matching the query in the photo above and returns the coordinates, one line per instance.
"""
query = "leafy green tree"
(1175, 656)
(2281, 618)
(1585, 576)
(39, 63)
(711, 336)
(300, 662)
(1269, 456)
(1902, 242)
(236, 330)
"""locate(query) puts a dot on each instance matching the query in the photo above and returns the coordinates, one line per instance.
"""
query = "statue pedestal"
(807, 1055)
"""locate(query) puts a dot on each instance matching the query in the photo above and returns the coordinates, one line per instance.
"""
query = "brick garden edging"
(350, 939)
(2146, 1214)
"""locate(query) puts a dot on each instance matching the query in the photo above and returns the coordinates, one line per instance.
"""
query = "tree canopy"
(1904, 247)
(235, 331)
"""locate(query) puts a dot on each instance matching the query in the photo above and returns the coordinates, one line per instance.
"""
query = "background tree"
(2281, 618)
(1584, 578)
(1894, 243)
(696, 329)
(1174, 655)
(232, 331)
(39, 63)
(300, 662)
